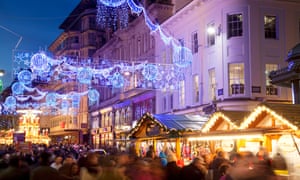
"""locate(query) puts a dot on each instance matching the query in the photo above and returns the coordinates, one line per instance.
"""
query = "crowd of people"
(76, 162)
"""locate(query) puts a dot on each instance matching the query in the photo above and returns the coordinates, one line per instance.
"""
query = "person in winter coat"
(196, 170)
(172, 169)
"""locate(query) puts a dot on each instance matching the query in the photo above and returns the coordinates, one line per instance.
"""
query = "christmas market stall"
(278, 125)
(220, 132)
(166, 131)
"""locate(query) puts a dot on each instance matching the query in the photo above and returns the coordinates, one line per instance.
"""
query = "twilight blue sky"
(36, 21)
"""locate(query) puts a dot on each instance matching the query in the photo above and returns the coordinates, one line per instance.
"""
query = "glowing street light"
(2, 72)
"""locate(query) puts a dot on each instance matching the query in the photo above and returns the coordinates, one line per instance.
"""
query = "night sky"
(36, 21)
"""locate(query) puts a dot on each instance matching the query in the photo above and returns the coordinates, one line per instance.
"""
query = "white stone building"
(230, 66)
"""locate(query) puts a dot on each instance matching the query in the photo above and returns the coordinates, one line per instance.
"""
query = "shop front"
(94, 128)
(65, 136)
(163, 131)
(106, 137)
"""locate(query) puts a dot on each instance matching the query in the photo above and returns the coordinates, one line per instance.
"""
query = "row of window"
(125, 115)
(236, 77)
(236, 84)
(235, 29)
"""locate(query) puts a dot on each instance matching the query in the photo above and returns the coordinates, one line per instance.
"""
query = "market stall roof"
(181, 122)
(168, 122)
(225, 120)
(282, 115)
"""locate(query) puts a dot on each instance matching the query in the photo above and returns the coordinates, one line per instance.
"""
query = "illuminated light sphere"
(39, 62)
(85, 75)
(93, 95)
(10, 102)
(182, 57)
(111, 3)
(51, 99)
(17, 88)
(117, 80)
(25, 77)
(150, 72)
(75, 101)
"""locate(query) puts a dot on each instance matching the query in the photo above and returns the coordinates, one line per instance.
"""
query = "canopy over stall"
(166, 126)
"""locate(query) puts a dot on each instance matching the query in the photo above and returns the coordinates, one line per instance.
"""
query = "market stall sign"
(152, 130)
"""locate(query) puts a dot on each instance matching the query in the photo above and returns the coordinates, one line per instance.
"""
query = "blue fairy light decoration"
(112, 13)
(39, 62)
(10, 102)
(25, 77)
(51, 99)
(93, 95)
(150, 72)
(182, 57)
(85, 75)
(111, 3)
(17, 88)
(117, 80)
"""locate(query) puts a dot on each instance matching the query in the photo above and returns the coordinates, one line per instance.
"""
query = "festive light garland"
(120, 74)
(111, 73)
(182, 55)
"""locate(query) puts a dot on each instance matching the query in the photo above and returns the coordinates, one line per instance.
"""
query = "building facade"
(81, 37)
(121, 107)
(231, 63)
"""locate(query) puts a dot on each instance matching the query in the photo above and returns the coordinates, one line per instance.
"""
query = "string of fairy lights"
(39, 67)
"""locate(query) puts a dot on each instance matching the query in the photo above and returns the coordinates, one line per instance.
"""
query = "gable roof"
(233, 118)
(289, 114)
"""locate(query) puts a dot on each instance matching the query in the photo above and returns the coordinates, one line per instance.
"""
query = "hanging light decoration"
(51, 99)
(39, 62)
(10, 103)
(17, 88)
(111, 14)
(25, 77)
(93, 95)
(85, 75)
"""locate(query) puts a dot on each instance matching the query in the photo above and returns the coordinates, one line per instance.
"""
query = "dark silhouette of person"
(15, 171)
(43, 171)
(196, 170)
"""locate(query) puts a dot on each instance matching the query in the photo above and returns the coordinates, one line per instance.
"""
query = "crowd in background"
(76, 162)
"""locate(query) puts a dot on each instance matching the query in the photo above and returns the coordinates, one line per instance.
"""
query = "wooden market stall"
(279, 124)
(273, 121)
(273, 127)
(165, 130)
(220, 132)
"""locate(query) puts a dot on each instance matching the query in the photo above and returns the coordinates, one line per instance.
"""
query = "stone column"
(296, 91)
